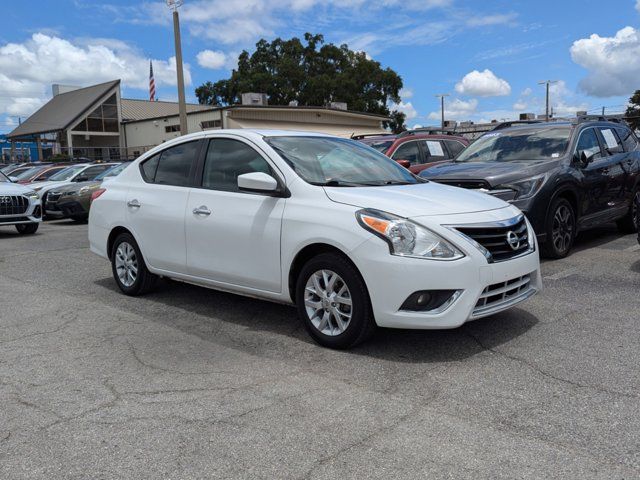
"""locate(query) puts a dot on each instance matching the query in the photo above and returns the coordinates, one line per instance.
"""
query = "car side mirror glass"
(404, 163)
(257, 182)
(586, 157)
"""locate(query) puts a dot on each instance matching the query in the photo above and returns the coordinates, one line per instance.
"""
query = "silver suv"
(19, 206)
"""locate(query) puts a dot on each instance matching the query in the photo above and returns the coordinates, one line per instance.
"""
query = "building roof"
(62, 110)
(134, 110)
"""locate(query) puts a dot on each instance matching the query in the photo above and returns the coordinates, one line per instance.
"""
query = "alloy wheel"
(327, 301)
(126, 264)
(562, 230)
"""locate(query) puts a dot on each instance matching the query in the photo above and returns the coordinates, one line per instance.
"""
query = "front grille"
(503, 240)
(13, 204)
(470, 184)
(503, 294)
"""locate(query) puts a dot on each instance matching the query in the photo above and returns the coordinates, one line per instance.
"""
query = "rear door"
(156, 207)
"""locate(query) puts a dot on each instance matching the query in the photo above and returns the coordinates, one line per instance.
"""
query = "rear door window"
(172, 166)
(612, 143)
(434, 150)
(629, 141)
(454, 147)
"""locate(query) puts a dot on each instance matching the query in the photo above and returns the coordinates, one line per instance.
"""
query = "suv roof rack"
(429, 131)
(597, 118)
(512, 123)
(365, 135)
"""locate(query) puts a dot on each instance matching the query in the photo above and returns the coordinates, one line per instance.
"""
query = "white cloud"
(526, 92)
(29, 68)
(638, 5)
(457, 109)
(406, 108)
(613, 63)
(407, 93)
(483, 84)
(520, 105)
(497, 19)
(211, 59)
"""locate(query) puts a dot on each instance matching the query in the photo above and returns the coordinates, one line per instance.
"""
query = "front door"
(616, 171)
(233, 237)
(595, 174)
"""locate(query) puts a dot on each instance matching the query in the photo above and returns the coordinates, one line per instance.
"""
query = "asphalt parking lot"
(192, 383)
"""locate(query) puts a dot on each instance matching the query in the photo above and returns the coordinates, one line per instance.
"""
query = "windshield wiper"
(332, 182)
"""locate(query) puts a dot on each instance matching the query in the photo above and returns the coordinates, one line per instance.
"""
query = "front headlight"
(71, 193)
(31, 194)
(85, 190)
(37, 188)
(525, 188)
(406, 238)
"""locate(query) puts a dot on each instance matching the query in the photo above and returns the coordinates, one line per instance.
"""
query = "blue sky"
(489, 56)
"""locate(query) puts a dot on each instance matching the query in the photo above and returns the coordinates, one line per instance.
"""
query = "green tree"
(633, 111)
(313, 73)
(396, 124)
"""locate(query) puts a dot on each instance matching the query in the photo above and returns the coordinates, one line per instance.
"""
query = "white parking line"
(562, 274)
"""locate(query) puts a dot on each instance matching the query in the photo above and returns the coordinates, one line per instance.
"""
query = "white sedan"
(350, 237)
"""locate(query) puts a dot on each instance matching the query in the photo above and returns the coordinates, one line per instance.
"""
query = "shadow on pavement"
(210, 307)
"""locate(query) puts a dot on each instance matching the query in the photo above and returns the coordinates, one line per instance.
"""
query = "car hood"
(45, 186)
(14, 189)
(423, 199)
(495, 173)
(78, 185)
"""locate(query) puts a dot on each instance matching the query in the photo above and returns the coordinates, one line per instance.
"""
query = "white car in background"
(75, 173)
(19, 206)
(350, 237)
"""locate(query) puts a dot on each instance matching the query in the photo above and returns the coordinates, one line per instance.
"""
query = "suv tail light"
(97, 193)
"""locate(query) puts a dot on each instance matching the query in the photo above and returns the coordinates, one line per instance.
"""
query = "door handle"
(202, 210)
(133, 203)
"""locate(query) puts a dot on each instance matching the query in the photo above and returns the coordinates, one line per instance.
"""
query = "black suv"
(565, 176)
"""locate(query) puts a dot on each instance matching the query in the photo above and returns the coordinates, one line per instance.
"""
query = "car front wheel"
(129, 270)
(560, 229)
(333, 302)
(27, 228)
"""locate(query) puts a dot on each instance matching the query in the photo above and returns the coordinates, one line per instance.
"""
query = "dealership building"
(96, 123)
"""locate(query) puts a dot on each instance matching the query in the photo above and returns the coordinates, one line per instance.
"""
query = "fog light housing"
(433, 301)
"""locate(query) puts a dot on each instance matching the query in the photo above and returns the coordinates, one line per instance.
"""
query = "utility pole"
(441, 97)
(547, 83)
(174, 5)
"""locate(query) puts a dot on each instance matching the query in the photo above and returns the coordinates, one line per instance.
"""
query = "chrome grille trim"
(500, 296)
(11, 205)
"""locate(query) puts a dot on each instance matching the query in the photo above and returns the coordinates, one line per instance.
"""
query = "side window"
(149, 167)
(92, 172)
(434, 150)
(454, 147)
(46, 174)
(628, 139)
(611, 141)
(175, 164)
(588, 141)
(226, 160)
(408, 151)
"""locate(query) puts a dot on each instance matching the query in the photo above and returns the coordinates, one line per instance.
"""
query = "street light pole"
(441, 97)
(174, 5)
(547, 83)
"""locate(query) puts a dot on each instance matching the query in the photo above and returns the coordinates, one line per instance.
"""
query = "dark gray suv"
(565, 176)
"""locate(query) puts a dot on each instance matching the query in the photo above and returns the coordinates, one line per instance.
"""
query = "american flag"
(152, 83)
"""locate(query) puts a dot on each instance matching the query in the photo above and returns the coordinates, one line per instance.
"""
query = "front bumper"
(32, 214)
(484, 288)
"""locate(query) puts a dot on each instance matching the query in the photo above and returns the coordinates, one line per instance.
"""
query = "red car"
(416, 149)
(39, 173)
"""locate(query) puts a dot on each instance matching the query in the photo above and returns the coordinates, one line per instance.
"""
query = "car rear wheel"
(333, 302)
(129, 270)
(27, 228)
(629, 223)
(560, 229)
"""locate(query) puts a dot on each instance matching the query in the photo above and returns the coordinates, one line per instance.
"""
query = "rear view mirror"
(404, 163)
(257, 182)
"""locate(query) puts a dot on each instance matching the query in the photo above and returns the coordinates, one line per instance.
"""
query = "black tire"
(27, 228)
(80, 218)
(361, 325)
(144, 279)
(560, 232)
(629, 223)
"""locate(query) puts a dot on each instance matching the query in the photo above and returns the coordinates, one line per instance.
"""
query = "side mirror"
(585, 156)
(13, 179)
(257, 182)
(81, 178)
(404, 163)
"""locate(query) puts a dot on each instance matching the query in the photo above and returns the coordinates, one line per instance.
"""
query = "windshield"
(339, 162)
(113, 171)
(380, 145)
(518, 145)
(66, 174)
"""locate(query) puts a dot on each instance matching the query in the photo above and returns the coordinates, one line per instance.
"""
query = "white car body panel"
(12, 190)
(249, 242)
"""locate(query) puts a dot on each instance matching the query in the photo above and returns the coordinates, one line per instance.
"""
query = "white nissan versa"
(350, 237)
